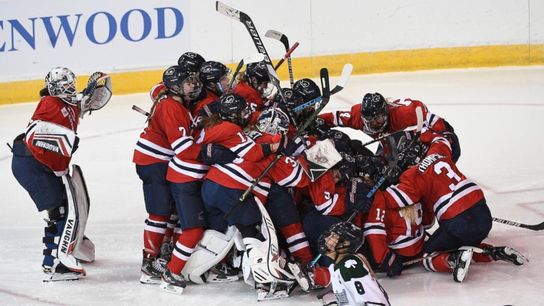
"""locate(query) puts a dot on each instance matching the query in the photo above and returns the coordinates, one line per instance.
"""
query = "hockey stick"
(344, 78)
(248, 60)
(288, 56)
(533, 227)
(326, 96)
(141, 110)
(285, 41)
(252, 30)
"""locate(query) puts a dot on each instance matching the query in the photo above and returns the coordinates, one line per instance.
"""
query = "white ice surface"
(497, 113)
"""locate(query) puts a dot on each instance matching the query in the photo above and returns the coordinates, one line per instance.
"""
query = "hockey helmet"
(235, 109)
(191, 61)
(374, 113)
(211, 74)
(273, 121)
(181, 82)
(61, 82)
(340, 238)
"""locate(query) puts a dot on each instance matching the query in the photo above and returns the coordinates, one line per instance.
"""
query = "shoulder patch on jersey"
(429, 160)
(351, 267)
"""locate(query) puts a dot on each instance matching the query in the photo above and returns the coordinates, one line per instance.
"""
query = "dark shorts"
(469, 228)
(44, 187)
(157, 195)
(189, 204)
(219, 200)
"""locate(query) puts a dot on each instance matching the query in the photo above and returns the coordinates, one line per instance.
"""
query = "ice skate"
(222, 272)
(507, 254)
(461, 263)
(172, 283)
(152, 270)
(61, 273)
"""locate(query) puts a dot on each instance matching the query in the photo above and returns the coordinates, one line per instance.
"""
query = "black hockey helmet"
(183, 83)
(191, 61)
(308, 89)
(211, 73)
(340, 238)
(411, 152)
(235, 109)
(374, 112)
(257, 73)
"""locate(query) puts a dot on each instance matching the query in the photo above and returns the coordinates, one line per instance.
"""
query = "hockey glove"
(320, 128)
(357, 196)
(291, 147)
(391, 175)
(392, 265)
(216, 154)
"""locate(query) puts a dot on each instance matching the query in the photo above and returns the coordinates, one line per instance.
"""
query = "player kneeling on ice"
(430, 177)
(351, 277)
(41, 156)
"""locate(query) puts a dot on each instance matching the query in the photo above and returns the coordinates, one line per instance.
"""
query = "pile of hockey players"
(243, 177)
(210, 137)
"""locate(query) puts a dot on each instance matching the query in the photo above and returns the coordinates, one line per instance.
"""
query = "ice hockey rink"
(498, 114)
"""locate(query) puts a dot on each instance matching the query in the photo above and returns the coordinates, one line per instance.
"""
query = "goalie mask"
(340, 238)
(273, 121)
(61, 83)
(97, 94)
(182, 83)
(374, 113)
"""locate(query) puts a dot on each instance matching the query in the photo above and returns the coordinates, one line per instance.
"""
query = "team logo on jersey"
(350, 264)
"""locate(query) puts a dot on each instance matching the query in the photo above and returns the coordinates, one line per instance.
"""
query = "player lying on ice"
(41, 157)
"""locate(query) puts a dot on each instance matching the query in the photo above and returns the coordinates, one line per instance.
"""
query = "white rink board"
(125, 35)
(497, 114)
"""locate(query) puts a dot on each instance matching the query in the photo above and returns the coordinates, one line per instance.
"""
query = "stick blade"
(259, 57)
(325, 86)
(227, 10)
(273, 34)
(344, 78)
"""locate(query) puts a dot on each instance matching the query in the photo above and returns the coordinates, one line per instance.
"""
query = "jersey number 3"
(443, 167)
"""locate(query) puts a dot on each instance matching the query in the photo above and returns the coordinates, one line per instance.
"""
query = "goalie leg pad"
(68, 238)
(213, 247)
(84, 249)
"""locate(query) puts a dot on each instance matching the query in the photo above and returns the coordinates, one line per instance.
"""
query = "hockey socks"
(297, 242)
(154, 231)
(184, 248)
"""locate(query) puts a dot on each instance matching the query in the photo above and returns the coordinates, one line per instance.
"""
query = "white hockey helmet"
(61, 82)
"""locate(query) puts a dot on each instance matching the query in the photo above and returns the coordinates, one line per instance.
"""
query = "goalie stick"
(533, 227)
(285, 41)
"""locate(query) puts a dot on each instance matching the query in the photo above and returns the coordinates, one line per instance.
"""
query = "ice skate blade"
(149, 279)
(171, 288)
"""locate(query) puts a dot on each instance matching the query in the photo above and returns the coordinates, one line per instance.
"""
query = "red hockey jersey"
(167, 138)
(53, 110)
(436, 183)
(402, 114)
(242, 172)
(387, 228)
(328, 197)
(251, 95)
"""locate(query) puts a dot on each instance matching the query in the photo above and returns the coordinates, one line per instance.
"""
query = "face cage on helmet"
(64, 90)
(273, 124)
(368, 122)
